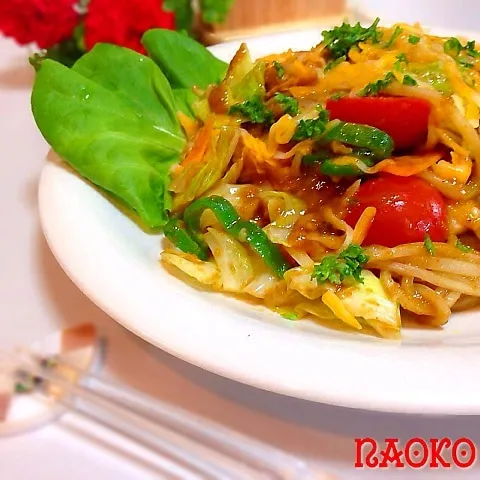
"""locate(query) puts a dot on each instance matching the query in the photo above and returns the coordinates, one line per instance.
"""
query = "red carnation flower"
(123, 22)
(44, 22)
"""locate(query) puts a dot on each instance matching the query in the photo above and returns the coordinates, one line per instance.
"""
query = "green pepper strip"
(328, 165)
(183, 240)
(363, 136)
(234, 225)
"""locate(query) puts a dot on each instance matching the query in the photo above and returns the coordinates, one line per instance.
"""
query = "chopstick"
(203, 447)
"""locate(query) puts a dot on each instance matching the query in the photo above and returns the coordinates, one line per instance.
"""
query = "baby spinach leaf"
(120, 144)
(185, 62)
(136, 79)
(184, 99)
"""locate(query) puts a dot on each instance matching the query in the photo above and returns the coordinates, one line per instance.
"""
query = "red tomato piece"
(408, 208)
(404, 119)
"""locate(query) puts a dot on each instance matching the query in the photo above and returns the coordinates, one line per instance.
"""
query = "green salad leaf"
(113, 116)
(185, 62)
(184, 100)
(115, 131)
(137, 80)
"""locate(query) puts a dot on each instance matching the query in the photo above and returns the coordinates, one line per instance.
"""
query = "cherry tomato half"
(408, 208)
(405, 119)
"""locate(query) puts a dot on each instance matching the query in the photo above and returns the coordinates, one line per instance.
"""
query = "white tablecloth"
(36, 297)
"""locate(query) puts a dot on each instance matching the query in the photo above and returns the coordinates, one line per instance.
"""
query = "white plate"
(116, 265)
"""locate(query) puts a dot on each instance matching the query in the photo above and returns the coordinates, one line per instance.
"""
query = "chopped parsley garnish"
(254, 110)
(429, 246)
(408, 80)
(334, 63)
(279, 68)
(464, 248)
(413, 39)
(471, 49)
(346, 265)
(312, 128)
(341, 39)
(289, 104)
(375, 88)
(401, 58)
(394, 36)
(290, 315)
(337, 96)
(452, 47)
(463, 55)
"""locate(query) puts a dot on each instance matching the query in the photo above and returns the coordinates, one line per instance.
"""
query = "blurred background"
(66, 29)
(249, 17)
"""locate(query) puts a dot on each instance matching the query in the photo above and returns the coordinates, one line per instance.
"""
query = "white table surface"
(36, 298)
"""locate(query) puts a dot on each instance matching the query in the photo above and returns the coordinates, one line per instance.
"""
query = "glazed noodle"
(359, 160)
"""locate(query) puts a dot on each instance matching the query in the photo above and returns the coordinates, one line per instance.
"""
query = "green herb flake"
(463, 55)
(408, 80)
(397, 32)
(462, 247)
(312, 128)
(334, 63)
(253, 110)
(401, 59)
(374, 88)
(337, 268)
(289, 104)
(338, 96)
(413, 39)
(341, 39)
(289, 316)
(429, 246)
(279, 68)
(452, 47)
(471, 49)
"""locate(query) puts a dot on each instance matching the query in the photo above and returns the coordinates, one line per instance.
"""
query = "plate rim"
(51, 210)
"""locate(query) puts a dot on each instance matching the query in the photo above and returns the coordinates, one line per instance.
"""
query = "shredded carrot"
(363, 225)
(200, 144)
(406, 166)
(189, 125)
(339, 310)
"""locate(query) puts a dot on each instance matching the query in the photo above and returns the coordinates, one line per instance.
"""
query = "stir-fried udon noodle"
(339, 184)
